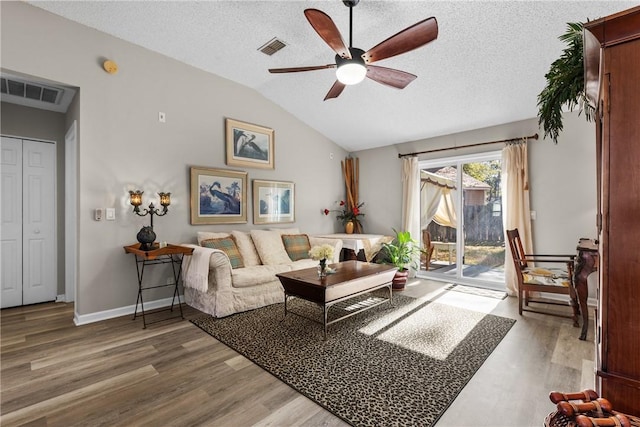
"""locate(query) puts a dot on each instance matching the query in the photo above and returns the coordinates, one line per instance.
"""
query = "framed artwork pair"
(219, 196)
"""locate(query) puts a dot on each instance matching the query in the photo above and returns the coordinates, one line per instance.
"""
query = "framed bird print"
(273, 202)
(218, 196)
(249, 145)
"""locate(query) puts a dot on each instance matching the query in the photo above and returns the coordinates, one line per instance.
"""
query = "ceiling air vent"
(34, 91)
(272, 46)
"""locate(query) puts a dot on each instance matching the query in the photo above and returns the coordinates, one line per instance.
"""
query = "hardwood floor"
(172, 374)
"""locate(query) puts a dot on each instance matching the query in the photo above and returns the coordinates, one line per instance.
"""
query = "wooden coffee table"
(352, 278)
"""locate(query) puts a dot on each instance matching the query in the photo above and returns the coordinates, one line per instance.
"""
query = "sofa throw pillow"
(229, 247)
(296, 245)
(206, 235)
(270, 247)
(247, 249)
(286, 230)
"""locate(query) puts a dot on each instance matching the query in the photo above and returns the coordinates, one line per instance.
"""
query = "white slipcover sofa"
(213, 286)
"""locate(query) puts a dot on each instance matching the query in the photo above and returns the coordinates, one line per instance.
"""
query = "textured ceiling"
(486, 67)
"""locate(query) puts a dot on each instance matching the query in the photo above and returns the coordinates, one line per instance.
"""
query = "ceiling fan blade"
(408, 39)
(389, 76)
(327, 30)
(298, 69)
(335, 90)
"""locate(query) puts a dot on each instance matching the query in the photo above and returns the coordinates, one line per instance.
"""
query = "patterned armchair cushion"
(543, 276)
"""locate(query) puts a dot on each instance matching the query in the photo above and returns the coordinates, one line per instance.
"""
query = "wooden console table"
(586, 263)
(171, 254)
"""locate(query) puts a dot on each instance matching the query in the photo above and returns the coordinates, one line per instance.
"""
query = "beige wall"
(562, 179)
(26, 122)
(122, 145)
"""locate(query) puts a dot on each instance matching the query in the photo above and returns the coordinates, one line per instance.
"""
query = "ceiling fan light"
(351, 73)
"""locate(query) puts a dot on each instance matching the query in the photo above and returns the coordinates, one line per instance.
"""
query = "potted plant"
(565, 84)
(402, 252)
(350, 217)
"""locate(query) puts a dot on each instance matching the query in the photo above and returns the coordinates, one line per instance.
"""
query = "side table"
(171, 254)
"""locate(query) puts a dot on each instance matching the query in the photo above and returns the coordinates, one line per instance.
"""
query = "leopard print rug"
(399, 365)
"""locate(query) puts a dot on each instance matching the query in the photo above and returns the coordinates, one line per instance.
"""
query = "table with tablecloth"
(363, 247)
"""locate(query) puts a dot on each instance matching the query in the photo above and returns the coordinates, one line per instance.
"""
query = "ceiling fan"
(353, 64)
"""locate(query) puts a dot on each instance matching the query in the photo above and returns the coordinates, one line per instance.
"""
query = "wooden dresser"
(612, 81)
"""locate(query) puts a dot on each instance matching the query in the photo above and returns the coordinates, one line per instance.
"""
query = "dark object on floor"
(586, 409)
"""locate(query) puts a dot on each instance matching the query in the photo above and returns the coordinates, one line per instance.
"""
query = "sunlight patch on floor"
(469, 302)
(433, 324)
(434, 330)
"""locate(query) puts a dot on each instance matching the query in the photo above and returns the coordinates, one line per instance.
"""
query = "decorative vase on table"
(322, 268)
(348, 227)
(146, 237)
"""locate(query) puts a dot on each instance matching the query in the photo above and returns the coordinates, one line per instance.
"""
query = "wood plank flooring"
(114, 373)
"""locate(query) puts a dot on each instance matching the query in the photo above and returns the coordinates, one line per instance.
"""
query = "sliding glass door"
(461, 220)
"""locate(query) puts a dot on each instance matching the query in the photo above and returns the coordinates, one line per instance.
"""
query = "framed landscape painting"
(249, 145)
(218, 196)
(273, 202)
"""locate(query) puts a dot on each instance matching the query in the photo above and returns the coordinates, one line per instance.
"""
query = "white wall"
(122, 146)
(562, 179)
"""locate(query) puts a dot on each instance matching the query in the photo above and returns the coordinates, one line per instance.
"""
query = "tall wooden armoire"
(612, 81)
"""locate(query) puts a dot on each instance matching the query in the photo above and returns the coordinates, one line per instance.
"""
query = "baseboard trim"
(84, 319)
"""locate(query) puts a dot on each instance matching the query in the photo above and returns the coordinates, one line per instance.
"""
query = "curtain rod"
(535, 136)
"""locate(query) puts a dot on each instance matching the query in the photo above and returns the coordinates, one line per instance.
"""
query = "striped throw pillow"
(229, 247)
(296, 245)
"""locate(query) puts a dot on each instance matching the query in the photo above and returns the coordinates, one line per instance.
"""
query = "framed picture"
(273, 202)
(218, 196)
(249, 145)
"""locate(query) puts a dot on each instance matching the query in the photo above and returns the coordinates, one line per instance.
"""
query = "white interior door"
(38, 228)
(30, 190)
(11, 229)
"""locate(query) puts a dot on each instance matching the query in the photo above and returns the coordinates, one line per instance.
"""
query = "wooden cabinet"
(612, 73)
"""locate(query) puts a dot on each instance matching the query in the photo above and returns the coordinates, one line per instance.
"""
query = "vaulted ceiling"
(486, 67)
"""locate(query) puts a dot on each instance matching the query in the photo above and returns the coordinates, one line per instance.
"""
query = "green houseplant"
(565, 84)
(402, 252)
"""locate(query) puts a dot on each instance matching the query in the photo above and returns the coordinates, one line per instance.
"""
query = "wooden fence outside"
(481, 227)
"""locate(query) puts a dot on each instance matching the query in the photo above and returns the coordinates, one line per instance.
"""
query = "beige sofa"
(213, 286)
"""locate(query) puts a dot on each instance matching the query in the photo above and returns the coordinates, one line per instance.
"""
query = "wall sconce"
(146, 236)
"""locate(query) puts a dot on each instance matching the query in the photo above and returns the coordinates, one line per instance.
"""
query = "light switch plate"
(111, 214)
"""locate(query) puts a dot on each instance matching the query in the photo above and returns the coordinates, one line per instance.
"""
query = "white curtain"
(431, 195)
(411, 197)
(438, 200)
(515, 205)
(446, 213)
